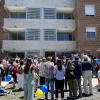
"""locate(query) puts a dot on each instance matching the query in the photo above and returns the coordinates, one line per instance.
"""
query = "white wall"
(68, 24)
(11, 45)
(41, 3)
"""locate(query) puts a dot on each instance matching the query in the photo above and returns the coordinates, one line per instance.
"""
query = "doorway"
(51, 54)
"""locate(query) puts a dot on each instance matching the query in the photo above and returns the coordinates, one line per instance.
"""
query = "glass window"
(90, 33)
(63, 36)
(17, 14)
(12, 36)
(32, 54)
(21, 35)
(64, 16)
(90, 10)
(67, 16)
(49, 34)
(49, 13)
(33, 34)
(33, 13)
(59, 15)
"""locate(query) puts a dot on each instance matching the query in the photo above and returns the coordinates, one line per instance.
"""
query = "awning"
(16, 9)
(15, 29)
(66, 10)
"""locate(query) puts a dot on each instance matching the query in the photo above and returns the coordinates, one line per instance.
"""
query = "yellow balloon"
(39, 94)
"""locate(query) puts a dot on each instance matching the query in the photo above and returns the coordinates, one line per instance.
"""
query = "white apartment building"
(40, 27)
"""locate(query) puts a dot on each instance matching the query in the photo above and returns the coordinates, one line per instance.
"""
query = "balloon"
(1, 90)
(8, 78)
(39, 94)
(44, 88)
(98, 61)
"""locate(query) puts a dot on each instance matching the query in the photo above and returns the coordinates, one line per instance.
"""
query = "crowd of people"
(58, 74)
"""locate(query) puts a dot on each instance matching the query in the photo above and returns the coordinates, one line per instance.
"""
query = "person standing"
(49, 77)
(59, 73)
(20, 75)
(72, 82)
(87, 77)
(29, 70)
(41, 71)
(78, 73)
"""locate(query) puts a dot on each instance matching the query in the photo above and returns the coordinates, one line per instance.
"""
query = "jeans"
(87, 79)
(79, 86)
(51, 82)
(28, 91)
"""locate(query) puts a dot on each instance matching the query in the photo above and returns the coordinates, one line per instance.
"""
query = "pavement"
(19, 95)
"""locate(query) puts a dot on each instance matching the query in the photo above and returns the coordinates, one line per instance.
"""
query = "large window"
(33, 34)
(12, 36)
(90, 10)
(33, 13)
(32, 54)
(49, 13)
(16, 36)
(63, 36)
(21, 35)
(17, 14)
(64, 16)
(90, 33)
(49, 34)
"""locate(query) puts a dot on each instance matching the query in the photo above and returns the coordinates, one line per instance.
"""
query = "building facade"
(88, 26)
(40, 27)
(2, 14)
(50, 27)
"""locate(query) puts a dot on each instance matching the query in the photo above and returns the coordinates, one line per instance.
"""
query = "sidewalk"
(18, 95)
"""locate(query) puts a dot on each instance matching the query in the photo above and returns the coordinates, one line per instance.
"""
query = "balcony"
(61, 5)
(67, 25)
(16, 46)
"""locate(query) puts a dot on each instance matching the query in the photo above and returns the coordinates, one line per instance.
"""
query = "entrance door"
(13, 55)
(48, 54)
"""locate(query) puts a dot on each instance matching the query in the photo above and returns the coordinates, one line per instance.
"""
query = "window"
(49, 34)
(90, 10)
(17, 36)
(33, 13)
(21, 35)
(32, 54)
(59, 15)
(12, 36)
(17, 14)
(64, 16)
(33, 34)
(63, 36)
(49, 13)
(90, 33)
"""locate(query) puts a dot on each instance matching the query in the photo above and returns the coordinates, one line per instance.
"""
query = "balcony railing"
(62, 24)
(17, 45)
(61, 5)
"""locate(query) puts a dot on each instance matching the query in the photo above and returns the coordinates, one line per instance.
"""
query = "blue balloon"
(1, 90)
(44, 88)
(98, 61)
(8, 78)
